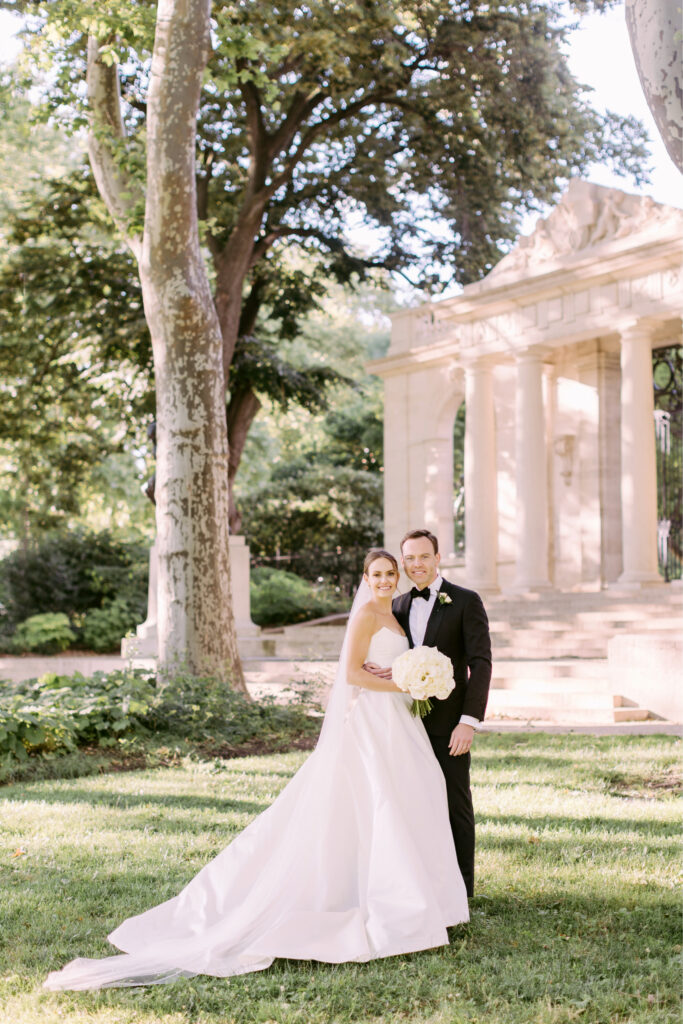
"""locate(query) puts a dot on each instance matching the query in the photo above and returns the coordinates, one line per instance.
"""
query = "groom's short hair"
(416, 534)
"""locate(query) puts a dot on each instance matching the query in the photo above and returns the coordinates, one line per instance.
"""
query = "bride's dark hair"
(375, 553)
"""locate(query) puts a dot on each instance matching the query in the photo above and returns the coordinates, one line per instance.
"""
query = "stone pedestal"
(241, 599)
(145, 642)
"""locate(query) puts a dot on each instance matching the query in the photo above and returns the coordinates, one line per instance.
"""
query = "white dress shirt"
(418, 617)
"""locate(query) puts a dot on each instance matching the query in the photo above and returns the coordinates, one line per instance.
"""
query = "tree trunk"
(243, 407)
(196, 625)
(655, 28)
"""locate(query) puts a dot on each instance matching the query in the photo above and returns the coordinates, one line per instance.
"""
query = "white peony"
(423, 672)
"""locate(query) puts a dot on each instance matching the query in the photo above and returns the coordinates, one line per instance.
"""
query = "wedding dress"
(354, 860)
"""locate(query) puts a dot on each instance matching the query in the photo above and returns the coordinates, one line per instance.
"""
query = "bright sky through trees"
(600, 56)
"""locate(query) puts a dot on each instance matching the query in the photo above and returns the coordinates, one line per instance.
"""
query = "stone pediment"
(588, 215)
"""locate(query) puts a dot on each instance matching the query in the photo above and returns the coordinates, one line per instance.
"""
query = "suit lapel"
(433, 623)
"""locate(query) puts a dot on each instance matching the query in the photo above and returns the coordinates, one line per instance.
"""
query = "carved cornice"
(629, 240)
(588, 217)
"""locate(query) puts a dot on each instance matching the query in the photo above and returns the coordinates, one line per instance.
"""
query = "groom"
(439, 614)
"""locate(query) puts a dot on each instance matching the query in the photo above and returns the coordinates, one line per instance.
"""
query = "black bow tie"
(420, 593)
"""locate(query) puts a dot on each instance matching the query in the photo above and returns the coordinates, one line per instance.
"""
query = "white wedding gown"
(354, 860)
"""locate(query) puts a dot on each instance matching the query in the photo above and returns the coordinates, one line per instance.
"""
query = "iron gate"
(667, 372)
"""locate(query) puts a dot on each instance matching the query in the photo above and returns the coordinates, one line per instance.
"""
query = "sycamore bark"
(196, 625)
(656, 31)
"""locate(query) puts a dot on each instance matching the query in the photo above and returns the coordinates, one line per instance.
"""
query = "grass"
(576, 917)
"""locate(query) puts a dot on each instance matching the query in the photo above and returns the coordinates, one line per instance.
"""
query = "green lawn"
(577, 916)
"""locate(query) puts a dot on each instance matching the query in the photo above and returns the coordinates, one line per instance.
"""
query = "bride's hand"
(377, 670)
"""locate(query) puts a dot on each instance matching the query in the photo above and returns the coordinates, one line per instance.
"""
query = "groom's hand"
(377, 670)
(461, 740)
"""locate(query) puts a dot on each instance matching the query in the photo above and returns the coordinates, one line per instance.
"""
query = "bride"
(353, 861)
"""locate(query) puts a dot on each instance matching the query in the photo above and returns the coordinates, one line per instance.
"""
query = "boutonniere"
(445, 598)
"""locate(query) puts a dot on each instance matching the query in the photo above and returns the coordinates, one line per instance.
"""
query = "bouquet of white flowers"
(423, 672)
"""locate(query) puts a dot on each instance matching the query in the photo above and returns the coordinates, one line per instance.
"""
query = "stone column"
(609, 440)
(396, 460)
(481, 500)
(638, 459)
(532, 474)
(436, 493)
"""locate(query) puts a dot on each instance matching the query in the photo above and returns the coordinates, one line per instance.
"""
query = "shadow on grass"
(570, 953)
(126, 801)
(581, 828)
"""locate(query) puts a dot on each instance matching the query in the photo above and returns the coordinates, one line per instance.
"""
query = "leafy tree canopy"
(401, 113)
(76, 362)
(436, 123)
(74, 355)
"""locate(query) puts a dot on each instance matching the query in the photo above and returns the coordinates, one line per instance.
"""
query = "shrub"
(44, 634)
(74, 573)
(279, 597)
(103, 628)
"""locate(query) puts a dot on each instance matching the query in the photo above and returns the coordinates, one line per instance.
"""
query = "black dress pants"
(460, 811)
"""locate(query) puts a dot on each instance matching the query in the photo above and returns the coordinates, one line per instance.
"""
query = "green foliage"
(321, 515)
(62, 712)
(74, 573)
(461, 114)
(668, 386)
(103, 628)
(202, 710)
(310, 485)
(26, 149)
(56, 714)
(279, 597)
(459, 480)
(75, 354)
(47, 633)
(32, 727)
(257, 366)
(353, 430)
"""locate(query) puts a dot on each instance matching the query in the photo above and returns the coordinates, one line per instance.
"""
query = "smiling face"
(381, 577)
(420, 561)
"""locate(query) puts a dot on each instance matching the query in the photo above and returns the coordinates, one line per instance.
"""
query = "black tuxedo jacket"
(460, 630)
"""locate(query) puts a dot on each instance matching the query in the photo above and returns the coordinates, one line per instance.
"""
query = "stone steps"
(581, 675)
(548, 625)
(563, 691)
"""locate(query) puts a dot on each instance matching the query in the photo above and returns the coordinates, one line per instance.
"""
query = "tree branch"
(372, 99)
(203, 185)
(301, 106)
(334, 244)
(257, 136)
(251, 307)
(119, 190)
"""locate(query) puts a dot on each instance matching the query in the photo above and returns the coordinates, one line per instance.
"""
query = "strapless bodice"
(385, 645)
